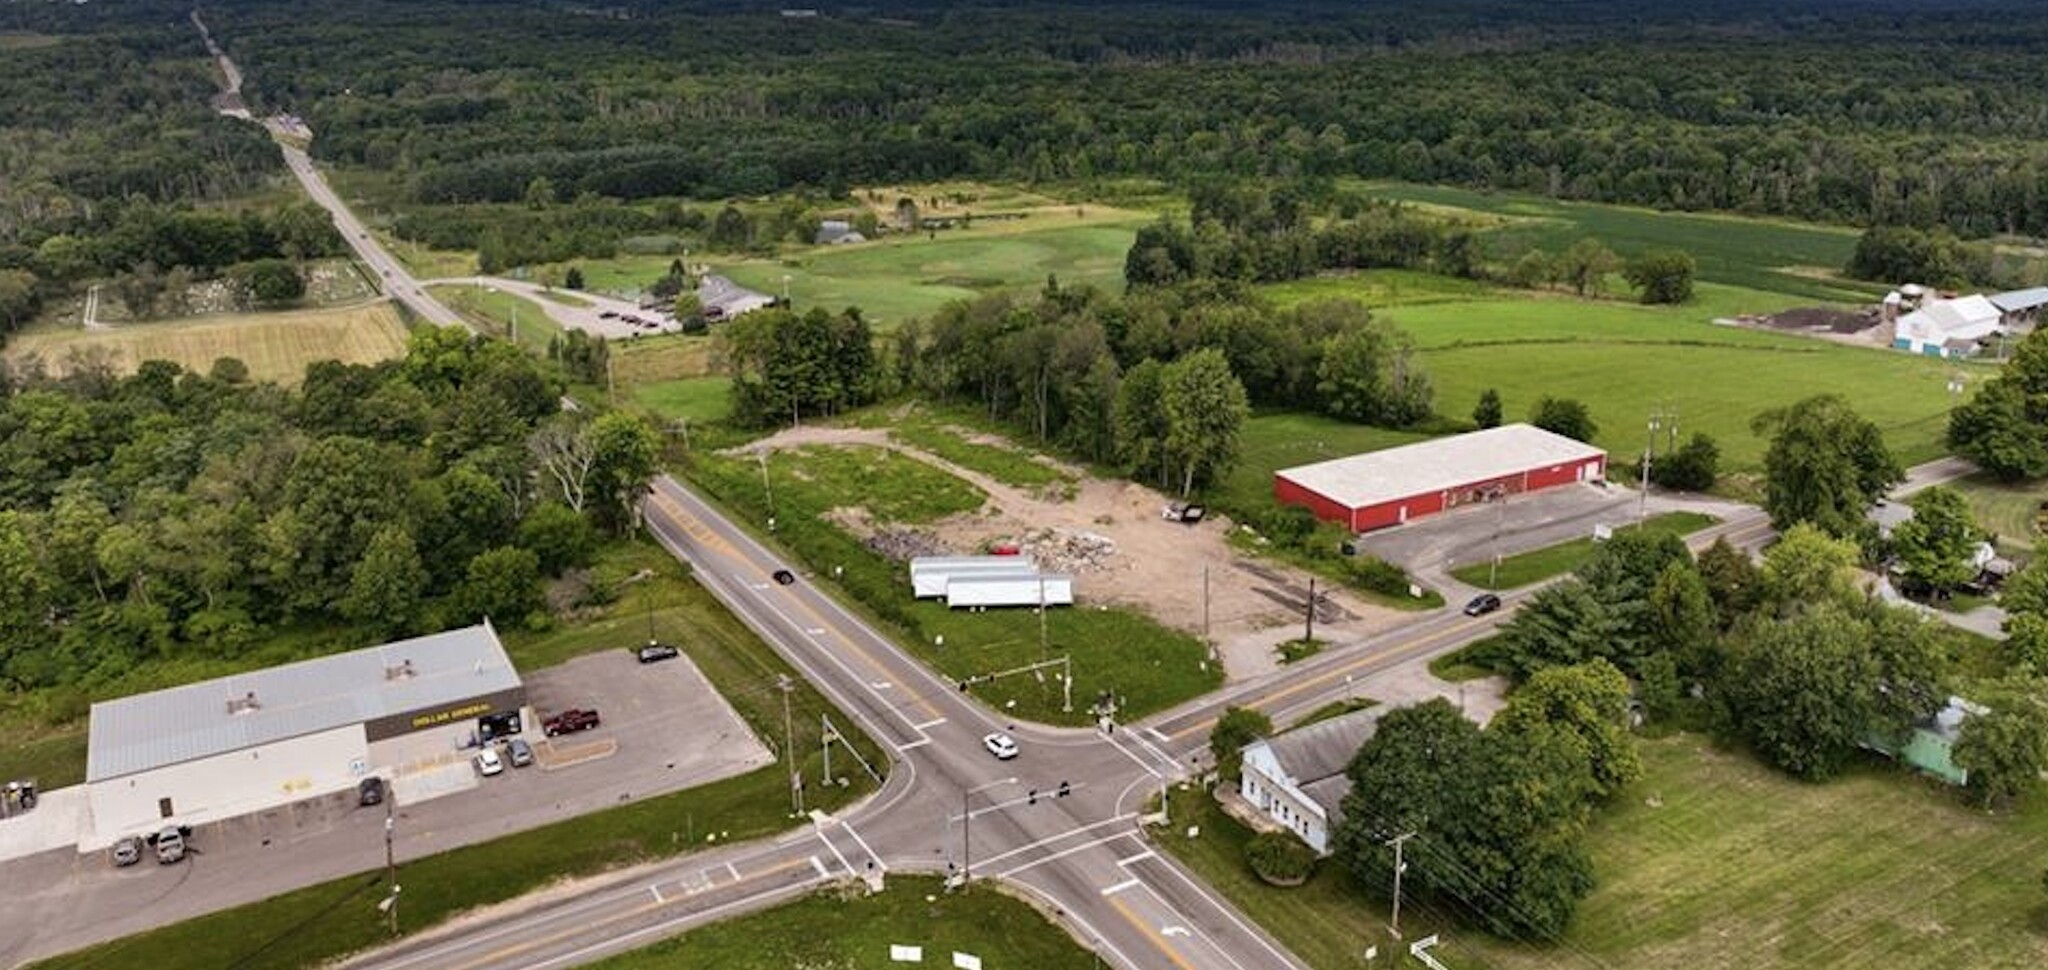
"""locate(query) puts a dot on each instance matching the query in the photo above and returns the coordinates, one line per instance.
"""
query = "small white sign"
(966, 961)
(906, 954)
(1602, 533)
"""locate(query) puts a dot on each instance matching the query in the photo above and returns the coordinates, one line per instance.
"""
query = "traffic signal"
(1064, 790)
(1031, 797)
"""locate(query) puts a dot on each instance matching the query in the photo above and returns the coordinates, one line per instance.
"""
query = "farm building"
(1948, 328)
(1296, 778)
(1384, 488)
(255, 741)
(2021, 308)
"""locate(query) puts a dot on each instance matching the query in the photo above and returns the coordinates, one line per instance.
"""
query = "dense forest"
(1847, 112)
(172, 514)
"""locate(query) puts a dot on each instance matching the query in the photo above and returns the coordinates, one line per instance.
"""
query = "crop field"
(276, 346)
(1782, 257)
(832, 929)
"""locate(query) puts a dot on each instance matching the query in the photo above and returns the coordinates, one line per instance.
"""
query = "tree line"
(175, 515)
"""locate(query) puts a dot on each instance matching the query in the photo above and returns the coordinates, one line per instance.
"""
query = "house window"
(163, 807)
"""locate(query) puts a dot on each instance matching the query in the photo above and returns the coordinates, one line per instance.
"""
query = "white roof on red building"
(1428, 467)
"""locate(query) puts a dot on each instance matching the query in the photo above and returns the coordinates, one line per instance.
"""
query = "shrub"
(1279, 858)
(1378, 575)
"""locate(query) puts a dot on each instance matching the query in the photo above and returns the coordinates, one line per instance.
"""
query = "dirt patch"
(1859, 328)
(1111, 536)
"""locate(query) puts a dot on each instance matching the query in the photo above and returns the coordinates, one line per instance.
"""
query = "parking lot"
(669, 728)
(1433, 546)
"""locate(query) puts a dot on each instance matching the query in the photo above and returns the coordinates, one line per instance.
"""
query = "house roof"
(2017, 300)
(1320, 751)
(1329, 793)
(166, 727)
(1965, 318)
(1433, 466)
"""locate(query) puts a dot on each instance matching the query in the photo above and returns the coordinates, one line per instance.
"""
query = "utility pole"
(1399, 867)
(967, 828)
(1205, 614)
(1499, 518)
(1067, 685)
(1043, 649)
(796, 783)
(1649, 454)
(769, 490)
(825, 736)
(391, 859)
(1309, 632)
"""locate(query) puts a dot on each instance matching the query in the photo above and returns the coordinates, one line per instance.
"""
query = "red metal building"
(1384, 488)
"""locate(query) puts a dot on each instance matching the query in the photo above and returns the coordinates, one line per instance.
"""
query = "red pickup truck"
(570, 721)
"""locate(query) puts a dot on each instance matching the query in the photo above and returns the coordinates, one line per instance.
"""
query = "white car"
(488, 762)
(1001, 745)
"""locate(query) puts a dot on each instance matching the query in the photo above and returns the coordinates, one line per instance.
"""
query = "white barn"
(259, 740)
(1297, 779)
(1948, 328)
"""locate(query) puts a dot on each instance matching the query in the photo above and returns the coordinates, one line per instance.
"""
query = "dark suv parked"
(370, 792)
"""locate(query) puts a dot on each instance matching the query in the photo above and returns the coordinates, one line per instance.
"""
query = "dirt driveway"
(1110, 536)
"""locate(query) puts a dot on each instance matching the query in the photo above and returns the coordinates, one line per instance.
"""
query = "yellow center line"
(1150, 933)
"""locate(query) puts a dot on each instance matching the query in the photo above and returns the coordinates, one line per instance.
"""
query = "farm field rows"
(277, 346)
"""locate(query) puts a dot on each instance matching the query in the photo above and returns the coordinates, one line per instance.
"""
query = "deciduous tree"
(1826, 465)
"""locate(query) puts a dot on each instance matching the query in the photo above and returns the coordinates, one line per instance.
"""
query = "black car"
(654, 652)
(1482, 604)
(785, 577)
(370, 792)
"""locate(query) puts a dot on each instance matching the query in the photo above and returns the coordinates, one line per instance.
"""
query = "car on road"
(1001, 745)
(488, 763)
(785, 577)
(128, 851)
(519, 752)
(170, 846)
(1482, 604)
(654, 652)
(370, 792)
(571, 721)
(608, 315)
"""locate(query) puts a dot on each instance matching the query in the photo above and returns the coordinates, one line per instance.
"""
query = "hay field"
(276, 346)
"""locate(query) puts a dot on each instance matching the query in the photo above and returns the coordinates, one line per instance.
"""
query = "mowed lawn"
(841, 930)
(1714, 860)
(2010, 511)
(1622, 360)
(277, 346)
(1284, 439)
(1782, 257)
(902, 278)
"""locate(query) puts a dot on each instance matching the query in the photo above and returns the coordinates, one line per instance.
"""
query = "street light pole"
(391, 859)
(967, 828)
(796, 788)
(762, 457)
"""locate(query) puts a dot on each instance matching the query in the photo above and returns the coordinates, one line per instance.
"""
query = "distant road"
(397, 281)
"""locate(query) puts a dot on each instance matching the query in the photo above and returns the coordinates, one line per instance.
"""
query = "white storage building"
(255, 741)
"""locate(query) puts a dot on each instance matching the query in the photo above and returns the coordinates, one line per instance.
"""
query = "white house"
(1948, 328)
(1297, 778)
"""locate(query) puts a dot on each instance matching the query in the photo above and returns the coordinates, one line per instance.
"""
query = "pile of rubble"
(903, 545)
(1061, 551)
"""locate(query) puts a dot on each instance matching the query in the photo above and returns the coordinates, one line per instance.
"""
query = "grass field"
(1714, 860)
(1284, 439)
(292, 930)
(1622, 359)
(499, 312)
(276, 346)
(937, 435)
(2009, 511)
(840, 930)
(1540, 564)
(695, 399)
(1780, 257)
(1380, 288)
(1148, 666)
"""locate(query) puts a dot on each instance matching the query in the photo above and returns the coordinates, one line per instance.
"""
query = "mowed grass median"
(1147, 665)
(1540, 564)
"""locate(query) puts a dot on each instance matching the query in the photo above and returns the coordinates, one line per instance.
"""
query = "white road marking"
(836, 854)
(1174, 931)
(928, 725)
(1077, 830)
(919, 743)
(1119, 887)
(865, 847)
(823, 873)
(735, 870)
(1140, 762)
(1140, 857)
(1163, 739)
(656, 890)
(880, 684)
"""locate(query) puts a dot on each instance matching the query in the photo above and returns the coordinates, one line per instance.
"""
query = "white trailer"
(929, 574)
(1009, 589)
